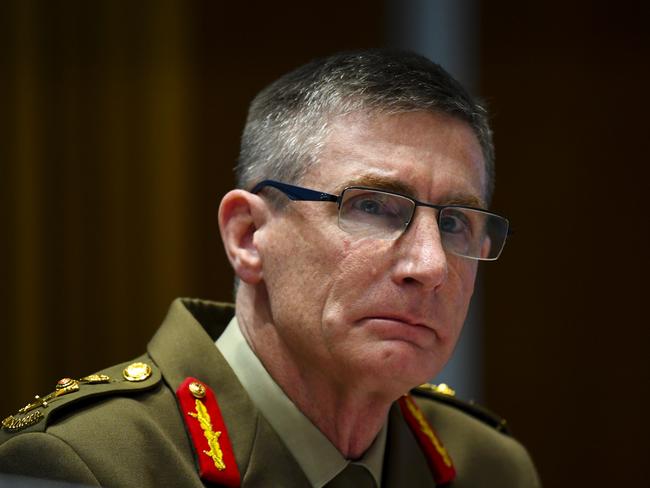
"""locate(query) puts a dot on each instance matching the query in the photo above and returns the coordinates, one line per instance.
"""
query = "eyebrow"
(382, 183)
(465, 200)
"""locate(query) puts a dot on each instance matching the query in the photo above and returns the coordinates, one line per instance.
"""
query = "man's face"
(379, 314)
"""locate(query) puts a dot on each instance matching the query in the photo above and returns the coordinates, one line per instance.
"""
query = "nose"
(420, 258)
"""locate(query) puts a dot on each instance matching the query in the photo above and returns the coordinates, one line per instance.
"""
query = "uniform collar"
(184, 347)
(317, 456)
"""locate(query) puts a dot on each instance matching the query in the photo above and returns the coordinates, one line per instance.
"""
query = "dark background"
(119, 126)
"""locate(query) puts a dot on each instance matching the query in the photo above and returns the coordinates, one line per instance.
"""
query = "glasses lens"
(465, 232)
(472, 233)
(374, 213)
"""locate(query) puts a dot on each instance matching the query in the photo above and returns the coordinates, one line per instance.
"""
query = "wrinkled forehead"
(409, 152)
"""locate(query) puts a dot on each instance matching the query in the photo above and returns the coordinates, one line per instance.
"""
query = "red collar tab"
(440, 463)
(208, 432)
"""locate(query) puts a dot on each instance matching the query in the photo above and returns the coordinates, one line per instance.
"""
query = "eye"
(369, 206)
(376, 205)
(454, 222)
(374, 213)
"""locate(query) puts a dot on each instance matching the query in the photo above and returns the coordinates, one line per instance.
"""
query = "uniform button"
(197, 389)
(137, 372)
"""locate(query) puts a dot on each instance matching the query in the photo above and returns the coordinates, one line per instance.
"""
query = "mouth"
(403, 319)
(400, 327)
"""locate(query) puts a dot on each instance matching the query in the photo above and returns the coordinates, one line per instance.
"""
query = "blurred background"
(120, 123)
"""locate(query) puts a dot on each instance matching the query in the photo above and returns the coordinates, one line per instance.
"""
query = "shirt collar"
(317, 456)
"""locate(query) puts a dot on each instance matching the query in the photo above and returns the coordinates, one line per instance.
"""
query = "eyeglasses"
(368, 212)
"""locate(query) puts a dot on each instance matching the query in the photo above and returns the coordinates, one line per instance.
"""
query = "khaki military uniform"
(123, 427)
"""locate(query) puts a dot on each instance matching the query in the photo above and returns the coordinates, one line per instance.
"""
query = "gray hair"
(289, 120)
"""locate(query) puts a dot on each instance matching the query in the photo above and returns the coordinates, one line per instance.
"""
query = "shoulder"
(478, 440)
(56, 435)
(72, 394)
(430, 394)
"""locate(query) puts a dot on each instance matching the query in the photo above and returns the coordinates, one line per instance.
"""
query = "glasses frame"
(299, 193)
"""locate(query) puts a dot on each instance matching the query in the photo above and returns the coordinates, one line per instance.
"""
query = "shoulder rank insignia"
(438, 458)
(29, 415)
(43, 410)
(444, 394)
(208, 433)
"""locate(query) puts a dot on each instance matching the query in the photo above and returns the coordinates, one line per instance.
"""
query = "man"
(355, 238)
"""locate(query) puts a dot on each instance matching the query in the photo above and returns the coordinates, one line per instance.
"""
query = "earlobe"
(241, 214)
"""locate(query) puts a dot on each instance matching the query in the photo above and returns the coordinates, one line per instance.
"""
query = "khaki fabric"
(320, 460)
(353, 475)
(137, 438)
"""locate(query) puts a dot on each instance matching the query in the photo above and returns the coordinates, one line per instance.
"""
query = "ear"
(241, 214)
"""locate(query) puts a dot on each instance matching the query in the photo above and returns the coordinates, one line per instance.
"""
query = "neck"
(347, 411)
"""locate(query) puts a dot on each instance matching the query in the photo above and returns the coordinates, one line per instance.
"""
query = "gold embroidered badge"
(201, 414)
(426, 430)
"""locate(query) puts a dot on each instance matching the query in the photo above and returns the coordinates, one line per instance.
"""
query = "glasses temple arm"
(296, 192)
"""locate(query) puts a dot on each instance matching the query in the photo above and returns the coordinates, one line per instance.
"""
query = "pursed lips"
(404, 319)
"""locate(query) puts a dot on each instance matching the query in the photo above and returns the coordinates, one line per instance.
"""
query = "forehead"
(430, 156)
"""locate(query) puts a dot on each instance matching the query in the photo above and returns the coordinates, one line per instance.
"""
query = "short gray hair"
(288, 121)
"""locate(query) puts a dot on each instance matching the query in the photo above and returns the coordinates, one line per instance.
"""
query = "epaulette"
(445, 394)
(126, 378)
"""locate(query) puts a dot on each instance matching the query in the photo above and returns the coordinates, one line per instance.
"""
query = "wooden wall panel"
(120, 128)
(566, 312)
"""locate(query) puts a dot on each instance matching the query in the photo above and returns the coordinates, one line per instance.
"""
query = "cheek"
(469, 278)
(363, 261)
(360, 262)
(358, 278)
(462, 277)
(302, 263)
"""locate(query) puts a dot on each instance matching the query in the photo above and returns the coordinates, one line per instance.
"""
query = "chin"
(403, 366)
